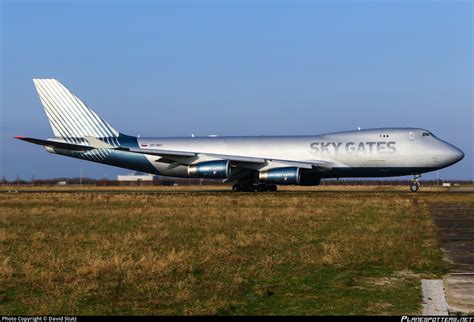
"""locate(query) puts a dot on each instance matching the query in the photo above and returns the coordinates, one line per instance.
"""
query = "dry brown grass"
(214, 253)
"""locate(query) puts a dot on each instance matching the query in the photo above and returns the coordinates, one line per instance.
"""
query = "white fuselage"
(374, 152)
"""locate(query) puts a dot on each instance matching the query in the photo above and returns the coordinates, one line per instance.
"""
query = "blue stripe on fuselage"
(129, 160)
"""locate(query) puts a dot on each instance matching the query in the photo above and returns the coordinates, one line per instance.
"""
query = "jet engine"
(219, 169)
(285, 175)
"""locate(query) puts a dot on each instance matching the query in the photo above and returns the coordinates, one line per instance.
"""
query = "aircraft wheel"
(273, 188)
(414, 187)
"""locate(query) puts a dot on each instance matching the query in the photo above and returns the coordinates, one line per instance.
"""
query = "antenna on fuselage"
(358, 128)
(192, 135)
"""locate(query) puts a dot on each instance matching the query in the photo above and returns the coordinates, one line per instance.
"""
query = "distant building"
(137, 176)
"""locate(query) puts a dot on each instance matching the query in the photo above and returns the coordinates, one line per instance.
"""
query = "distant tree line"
(51, 181)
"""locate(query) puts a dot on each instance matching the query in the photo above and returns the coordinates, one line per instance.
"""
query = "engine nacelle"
(219, 169)
(285, 175)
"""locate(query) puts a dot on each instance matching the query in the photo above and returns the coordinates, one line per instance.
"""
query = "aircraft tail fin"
(69, 117)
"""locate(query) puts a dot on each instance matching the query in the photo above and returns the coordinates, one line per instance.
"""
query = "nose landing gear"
(414, 183)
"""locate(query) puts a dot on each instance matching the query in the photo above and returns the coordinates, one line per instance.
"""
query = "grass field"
(191, 252)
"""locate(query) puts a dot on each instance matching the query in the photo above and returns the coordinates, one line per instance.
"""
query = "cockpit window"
(426, 133)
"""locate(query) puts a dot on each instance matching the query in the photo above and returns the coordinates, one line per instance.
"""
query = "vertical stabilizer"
(69, 117)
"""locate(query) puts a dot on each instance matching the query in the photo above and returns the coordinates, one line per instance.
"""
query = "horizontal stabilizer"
(56, 144)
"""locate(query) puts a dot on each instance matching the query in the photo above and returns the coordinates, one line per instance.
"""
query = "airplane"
(251, 163)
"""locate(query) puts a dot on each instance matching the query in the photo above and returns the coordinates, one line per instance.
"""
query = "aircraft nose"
(459, 155)
(453, 154)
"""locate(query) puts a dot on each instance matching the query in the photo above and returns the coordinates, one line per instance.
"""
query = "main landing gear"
(250, 187)
(414, 183)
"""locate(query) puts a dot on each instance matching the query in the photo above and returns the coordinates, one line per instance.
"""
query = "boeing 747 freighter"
(251, 163)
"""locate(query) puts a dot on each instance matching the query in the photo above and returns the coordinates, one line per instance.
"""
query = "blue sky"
(173, 68)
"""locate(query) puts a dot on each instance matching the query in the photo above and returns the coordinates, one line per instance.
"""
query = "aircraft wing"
(186, 158)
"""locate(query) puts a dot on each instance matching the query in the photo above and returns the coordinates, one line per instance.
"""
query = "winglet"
(97, 143)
